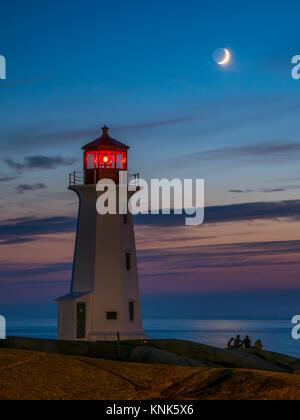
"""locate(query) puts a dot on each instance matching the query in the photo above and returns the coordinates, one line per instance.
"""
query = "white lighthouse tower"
(104, 302)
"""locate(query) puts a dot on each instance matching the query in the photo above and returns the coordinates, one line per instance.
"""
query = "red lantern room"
(104, 158)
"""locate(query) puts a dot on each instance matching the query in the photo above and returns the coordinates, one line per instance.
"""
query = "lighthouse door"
(80, 321)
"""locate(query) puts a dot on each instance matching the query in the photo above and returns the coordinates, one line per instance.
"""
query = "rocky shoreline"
(157, 369)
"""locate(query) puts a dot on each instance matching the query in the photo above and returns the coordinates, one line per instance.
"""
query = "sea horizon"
(274, 333)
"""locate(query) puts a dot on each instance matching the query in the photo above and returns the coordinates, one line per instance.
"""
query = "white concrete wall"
(100, 268)
(84, 259)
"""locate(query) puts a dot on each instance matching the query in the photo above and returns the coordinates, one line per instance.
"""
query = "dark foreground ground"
(27, 374)
(158, 369)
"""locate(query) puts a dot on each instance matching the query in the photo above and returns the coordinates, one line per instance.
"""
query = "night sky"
(145, 69)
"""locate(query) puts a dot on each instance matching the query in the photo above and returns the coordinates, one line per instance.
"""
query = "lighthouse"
(104, 301)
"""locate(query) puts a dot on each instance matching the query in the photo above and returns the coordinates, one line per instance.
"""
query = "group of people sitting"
(238, 343)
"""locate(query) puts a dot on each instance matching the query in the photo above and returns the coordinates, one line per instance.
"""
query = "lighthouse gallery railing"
(77, 178)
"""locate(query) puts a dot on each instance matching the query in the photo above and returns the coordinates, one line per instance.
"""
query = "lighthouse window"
(105, 159)
(111, 315)
(121, 161)
(131, 310)
(128, 261)
(92, 160)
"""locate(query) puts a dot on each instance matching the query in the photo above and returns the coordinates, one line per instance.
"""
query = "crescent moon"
(225, 59)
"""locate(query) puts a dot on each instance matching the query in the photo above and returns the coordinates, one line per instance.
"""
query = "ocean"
(275, 334)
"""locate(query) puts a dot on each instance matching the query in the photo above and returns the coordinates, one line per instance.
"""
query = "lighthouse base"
(76, 323)
(116, 336)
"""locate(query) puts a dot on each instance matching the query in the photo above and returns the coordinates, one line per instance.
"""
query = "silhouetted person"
(230, 343)
(238, 342)
(258, 345)
(247, 342)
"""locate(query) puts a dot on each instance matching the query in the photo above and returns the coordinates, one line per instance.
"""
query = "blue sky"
(128, 63)
(146, 70)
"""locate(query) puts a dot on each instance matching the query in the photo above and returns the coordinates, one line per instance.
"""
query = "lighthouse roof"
(105, 142)
(73, 296)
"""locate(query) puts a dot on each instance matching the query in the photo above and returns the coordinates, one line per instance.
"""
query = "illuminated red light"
(106, 160)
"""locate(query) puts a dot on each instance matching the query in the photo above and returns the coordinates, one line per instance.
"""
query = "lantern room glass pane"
(92, 160)
(120, 160)
(107, 159)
